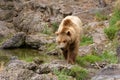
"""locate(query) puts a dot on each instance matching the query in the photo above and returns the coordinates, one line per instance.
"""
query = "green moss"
(86, 41)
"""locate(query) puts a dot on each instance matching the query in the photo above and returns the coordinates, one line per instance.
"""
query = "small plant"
(47, 30)
(100, 17)
(109, 57)
(62, 75)
(106, 56)
(55, 26)
(51, 46)
(79, 73)
(88, 59)
(113, 29)
(76, 71)
(86, 40)
(111, 32)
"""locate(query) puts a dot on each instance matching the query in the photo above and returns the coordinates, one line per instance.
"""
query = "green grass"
(55, 26)
(113, 29)
(100, 17)
(28, 59)
(76, 72)
(47, 30)
(50, 46)
(111, 32)
(88, 59)
(109, 57)
(62, 75)
(106, 56)
(86, 41)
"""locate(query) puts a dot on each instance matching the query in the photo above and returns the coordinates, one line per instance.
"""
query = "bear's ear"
(68, 33)
(56, 33)
(67, 22)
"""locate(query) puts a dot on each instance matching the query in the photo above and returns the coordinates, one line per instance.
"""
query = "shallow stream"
(24, 54)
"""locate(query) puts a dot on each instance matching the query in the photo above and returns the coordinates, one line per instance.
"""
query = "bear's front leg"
(65, 54)
(70, 58)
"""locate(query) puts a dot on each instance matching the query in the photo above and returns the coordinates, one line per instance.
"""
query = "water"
(24, 54)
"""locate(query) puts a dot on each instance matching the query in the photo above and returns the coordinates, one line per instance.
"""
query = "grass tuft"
(86, 40)
(100, 17)
(106, 56)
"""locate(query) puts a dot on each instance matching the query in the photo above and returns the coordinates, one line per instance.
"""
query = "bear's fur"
(68, 37)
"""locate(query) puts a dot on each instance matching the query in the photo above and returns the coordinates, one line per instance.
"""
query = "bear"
(68, 37)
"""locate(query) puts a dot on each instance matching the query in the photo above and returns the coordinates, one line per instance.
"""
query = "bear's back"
(75, 20)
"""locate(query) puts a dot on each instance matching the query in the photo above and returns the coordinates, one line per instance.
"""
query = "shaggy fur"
(68, 37)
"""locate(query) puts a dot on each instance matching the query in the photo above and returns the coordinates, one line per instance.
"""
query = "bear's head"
(63, 39)
(65, 34)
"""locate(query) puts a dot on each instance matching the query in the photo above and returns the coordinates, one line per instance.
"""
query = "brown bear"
(68, 37)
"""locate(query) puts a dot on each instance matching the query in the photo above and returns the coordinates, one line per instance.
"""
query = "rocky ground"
(31, 24)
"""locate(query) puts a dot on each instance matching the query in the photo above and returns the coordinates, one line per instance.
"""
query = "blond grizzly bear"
(68, 37)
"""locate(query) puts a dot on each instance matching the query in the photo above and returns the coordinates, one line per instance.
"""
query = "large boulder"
(16, 70)
(29, 22)
(15, 42)
(37, 41)
(6, 29)
(111, 72)
(50, 67)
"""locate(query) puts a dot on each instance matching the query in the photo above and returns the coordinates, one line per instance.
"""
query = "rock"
(96, 31)
(38, 61)
(49, 67)
(20, 70)
(29, 22)
(99, 38)
(118, 53)
(84, 50)
(44, 77)
(37, 41)
(15, 42)
(31, 66)
(111, 72)
(4, 14)
(16, 70)
(6, 29)
(54, 52)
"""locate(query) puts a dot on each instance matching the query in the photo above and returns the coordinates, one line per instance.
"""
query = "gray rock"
(111, 72)
(29, 22)
(37, 41)
(15, 42)
(54, 52)
(18, 70)
(50, 67)
(84, 50)
(5, 14)
(6, 29)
